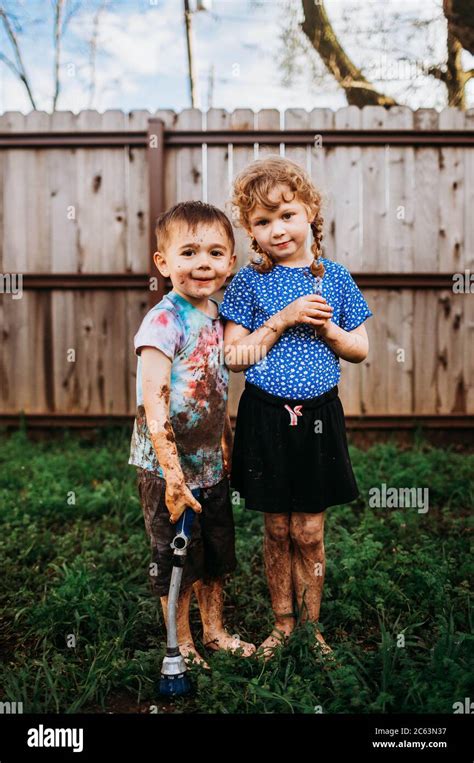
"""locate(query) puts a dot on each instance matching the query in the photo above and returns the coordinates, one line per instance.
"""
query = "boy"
(181, 436)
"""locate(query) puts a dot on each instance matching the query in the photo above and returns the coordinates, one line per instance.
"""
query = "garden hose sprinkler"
(174, 681)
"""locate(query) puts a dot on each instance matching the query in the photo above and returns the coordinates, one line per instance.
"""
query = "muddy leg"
(309, 566)
(211, 605)
(277, 552)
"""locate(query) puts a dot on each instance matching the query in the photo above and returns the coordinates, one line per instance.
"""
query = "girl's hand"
(177, 498)
(312, 310)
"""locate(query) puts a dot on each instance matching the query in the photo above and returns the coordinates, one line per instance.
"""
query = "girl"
(290, 314)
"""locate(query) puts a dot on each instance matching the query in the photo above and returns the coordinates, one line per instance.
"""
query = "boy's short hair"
(192, 213)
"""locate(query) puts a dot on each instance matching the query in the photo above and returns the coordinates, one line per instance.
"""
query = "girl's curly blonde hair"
(253, 185)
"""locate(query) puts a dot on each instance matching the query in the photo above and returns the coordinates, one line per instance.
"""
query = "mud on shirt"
(193, 341)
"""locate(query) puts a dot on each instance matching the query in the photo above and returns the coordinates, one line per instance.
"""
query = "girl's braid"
(317, 267)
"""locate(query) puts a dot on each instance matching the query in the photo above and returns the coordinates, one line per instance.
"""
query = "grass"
(81, 632)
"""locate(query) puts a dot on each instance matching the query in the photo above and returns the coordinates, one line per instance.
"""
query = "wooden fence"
(78, 197)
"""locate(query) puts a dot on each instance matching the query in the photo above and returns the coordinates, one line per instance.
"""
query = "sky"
(239, 45)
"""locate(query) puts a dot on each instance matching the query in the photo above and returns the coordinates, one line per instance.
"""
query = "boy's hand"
(177, 498)
(227, 456)
(226, 445)
(312, 309)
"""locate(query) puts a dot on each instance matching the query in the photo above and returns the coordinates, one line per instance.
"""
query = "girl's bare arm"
(348, 345)
(244, 348)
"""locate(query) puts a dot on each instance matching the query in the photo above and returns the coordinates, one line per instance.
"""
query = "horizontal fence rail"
(141, 280)
(192, 138)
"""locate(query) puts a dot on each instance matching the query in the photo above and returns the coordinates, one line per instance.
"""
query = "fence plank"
(323, 119)
(62, 192)
(345, 178)
(91, 225)
(114, 197)
(136, 173)
(35, 207)
(374, 370)
(218, 162)
(15, 249)
(372, 244)
(426, 194)
(402, 205)
(297, 119)
(171, 168)
(241, 119)
(268, 119)
(189, 160)
(450, 228)
(425, 344)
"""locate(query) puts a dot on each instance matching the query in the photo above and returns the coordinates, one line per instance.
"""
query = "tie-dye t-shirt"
(300, 365)
(193, 341)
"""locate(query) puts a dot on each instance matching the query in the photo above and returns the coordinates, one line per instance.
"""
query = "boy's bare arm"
(156, 374)
(348, 345)
(226, 444)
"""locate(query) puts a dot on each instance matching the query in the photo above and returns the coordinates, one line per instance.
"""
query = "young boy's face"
(197, 261)
(281, 232)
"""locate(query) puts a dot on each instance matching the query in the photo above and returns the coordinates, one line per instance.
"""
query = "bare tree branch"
(318, 29)
(93, 51)
(453, 75)
(10, 65)
(20, 69)
(70, 11)
(58, 11)
(437, 72)
(455, 80)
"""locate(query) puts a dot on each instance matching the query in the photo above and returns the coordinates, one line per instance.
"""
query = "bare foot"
(325, 648)
(279, 636)
(192, 656)
(224, 640)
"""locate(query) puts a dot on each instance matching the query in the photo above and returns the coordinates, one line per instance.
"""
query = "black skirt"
(291, 455)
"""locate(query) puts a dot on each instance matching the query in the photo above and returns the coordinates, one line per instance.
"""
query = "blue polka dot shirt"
(300, 365)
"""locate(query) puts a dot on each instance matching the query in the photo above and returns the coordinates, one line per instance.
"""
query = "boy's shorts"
(211, 552)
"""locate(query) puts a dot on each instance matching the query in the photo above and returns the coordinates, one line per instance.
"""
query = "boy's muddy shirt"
(198, 389)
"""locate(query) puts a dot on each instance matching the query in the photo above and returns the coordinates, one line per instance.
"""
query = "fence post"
(155, 161)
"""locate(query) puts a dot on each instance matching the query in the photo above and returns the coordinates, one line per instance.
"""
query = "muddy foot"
(277, 638)
(224, 640)
(192, 656)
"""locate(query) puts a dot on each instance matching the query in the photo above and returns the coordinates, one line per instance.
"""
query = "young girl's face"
(282, 232)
